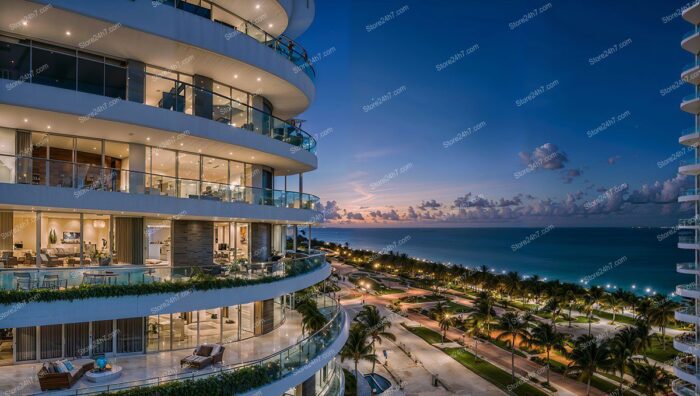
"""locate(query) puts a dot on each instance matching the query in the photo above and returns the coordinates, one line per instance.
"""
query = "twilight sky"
(475, 113)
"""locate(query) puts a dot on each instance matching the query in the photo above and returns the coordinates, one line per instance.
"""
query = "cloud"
(431, 204)
(546, 156)
(571, 174)
(354, 216)
(391, 215)
(612, 160)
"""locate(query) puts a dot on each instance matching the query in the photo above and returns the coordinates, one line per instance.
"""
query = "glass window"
(117, 164)
(158, 240)
(60, 239)
(102, 336)
(53, 67)
(23, 238)
(115, 81)
(188, 168)
(26, 343)
(7, 342)
(215, 178)
(14, 60)
(91, 76)
(7, 158)
(161, 166)
(77, 339)
(237, 174)
(129, 335)
(51, 341)
(95, 239)
(61, 161)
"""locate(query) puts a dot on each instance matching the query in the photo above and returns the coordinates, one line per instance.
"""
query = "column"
(203, 99)
(38, 239)
(136, 72)
(82, 233)
(137, 168)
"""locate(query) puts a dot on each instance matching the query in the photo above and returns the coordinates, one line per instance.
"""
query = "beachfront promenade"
(448, 367)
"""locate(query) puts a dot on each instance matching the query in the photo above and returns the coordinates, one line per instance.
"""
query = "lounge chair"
(48, 261)
(203, 356)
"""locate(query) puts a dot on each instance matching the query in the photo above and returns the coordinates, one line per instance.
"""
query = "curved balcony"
(160, 91)
(690, 167)
(691, 73)
(689, 195)
(690, 137)
(71, 295)
(280, 43)
(683, 388)
(686, 369)
(691, 41)
(688, 242)
(284, 369)
(691, 103)
(687, 343)
(84, 178)
(692, 13)
(688, 268)
(687, 315)
(690, 290)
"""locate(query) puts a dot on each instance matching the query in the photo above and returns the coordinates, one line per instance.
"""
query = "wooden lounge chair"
(203, 356)
(48, 261)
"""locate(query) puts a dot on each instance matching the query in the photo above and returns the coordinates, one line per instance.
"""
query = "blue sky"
(401, 128)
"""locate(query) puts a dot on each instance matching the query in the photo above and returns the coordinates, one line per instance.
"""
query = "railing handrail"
(278, 39)
(312, 140)
(338, 314)
(227, 186)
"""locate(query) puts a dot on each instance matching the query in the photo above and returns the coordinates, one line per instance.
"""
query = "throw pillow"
(69, 365)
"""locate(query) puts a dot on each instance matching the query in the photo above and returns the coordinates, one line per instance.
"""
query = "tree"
(511, 282)
(624, 345)
(475, 325)
(483, 304)
(376, 325)
(513, 325)
(546, 336)
(661, 314)
(311, 318)
(357, 346)
(570, 298)
(652, 379)
(586, 307)
(446, 320)
(588, 356)
(643, 332)
(614, 303)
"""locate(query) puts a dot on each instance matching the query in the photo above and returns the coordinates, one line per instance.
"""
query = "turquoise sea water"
(620, 257)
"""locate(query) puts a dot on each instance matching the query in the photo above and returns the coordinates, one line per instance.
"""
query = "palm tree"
(661, 314)
(624, 345)
(446, 320)
(589, 356)
(513, 325)
(644, 333)
(644, 310)
(570, 298)
(546, 336)
(652, 379)
(511, 282)
(376, 326)
(554, 308)
(357, 347)
(484, 303)
(475, 324)
(311, 318)
(614, 303)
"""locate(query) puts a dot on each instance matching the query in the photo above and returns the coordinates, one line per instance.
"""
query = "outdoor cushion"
(215, 350)
(204, 350)
(68, 364)
(60, 367)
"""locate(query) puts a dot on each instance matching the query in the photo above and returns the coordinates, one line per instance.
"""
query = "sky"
(498, 113)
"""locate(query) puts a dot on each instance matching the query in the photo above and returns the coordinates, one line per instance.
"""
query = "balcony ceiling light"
(26, 120)
(67, 32)
(235, 76)
(257, 6)
(259, 79)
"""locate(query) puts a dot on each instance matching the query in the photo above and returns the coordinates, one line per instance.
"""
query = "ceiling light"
(235, 76)
(26, 120)
(257, 6)
(24, 23)
(48, 127)
(270, 25)
(148, 138)
(259, 79)
(67, 32)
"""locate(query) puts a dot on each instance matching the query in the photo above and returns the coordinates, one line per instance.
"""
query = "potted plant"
(52, 236)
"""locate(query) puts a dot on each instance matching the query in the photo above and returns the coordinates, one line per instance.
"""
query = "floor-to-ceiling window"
(158, 241)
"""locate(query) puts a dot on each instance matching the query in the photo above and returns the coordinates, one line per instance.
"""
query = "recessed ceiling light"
(270, 25)
(24, 23)
(252, 157)
(230, 153)
(182, 144)
(235, 76)
(257, 6)
(67, 32)
(148, 138)
(48, 127)
(259, 79)
(199, 151)
(26, 120)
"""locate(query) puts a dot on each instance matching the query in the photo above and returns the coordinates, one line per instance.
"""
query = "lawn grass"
(422, 299)
(388, 290)
(454, 307)
(492, 373)
(506, 346)
(619, 318)
(430, 336)
(657, 352)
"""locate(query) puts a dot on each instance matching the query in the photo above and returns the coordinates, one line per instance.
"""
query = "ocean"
(637, 259)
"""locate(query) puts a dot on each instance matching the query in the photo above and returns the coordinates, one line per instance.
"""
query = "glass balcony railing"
(179, 96)
(688, 239)
(693, 96)
(694, 161)
(688, 192)
(278, 366)
(690, 131)
(683, 388)
(85, 178)
(108, 77)
(686, 267)
(283, 45)
(64, 278)
(690, 66)
(690, 34)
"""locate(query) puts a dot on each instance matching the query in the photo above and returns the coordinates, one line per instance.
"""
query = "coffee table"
(104, 376)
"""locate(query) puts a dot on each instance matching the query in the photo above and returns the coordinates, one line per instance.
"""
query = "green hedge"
(229, 383)
(199, 283)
